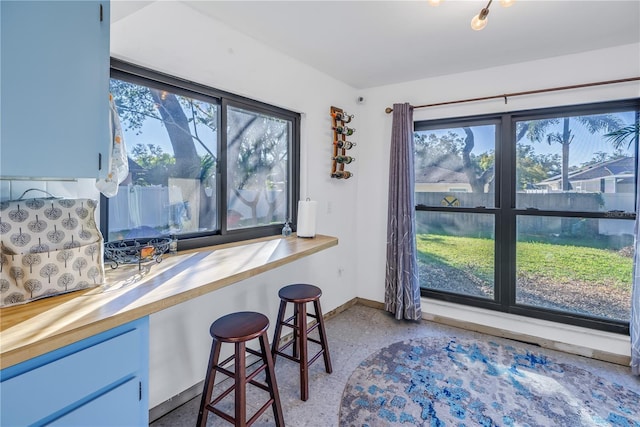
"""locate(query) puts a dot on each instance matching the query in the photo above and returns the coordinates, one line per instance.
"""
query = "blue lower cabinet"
(99, 381)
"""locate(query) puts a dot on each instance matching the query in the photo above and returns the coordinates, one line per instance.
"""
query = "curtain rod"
(528, 92)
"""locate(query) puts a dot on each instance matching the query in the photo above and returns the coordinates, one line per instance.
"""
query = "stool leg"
(296, 330)
(323, 337)
(241, 383)
(208, 384)
(301, 320)
(271, 380)
(276, 335)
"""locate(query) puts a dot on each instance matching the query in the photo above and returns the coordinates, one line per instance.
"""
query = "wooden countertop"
(35, 328)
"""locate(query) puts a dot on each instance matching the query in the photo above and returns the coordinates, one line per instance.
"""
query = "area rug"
(459, 382)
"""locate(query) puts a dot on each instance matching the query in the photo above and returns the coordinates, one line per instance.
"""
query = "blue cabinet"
(55, 88)
(99, 381)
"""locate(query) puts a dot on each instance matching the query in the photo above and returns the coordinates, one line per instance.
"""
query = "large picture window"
(204, 165)
(531, 212)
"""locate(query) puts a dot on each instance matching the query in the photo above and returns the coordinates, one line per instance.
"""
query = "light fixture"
(435, 2)
(480, 20)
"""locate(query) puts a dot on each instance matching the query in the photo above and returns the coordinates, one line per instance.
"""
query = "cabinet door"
(116, 408)
(55, 85)
(82, 383)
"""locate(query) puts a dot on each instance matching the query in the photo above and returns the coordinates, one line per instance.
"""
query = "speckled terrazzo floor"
(354, 335)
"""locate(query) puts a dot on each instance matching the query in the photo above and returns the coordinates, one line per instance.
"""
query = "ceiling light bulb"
(507, 3)
(435, 2)
(478, 22)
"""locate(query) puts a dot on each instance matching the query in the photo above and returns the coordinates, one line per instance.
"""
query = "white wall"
(172, 38)
(609, 64)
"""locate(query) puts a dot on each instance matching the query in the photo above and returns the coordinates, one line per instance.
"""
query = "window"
(204, 165)
(541, 219)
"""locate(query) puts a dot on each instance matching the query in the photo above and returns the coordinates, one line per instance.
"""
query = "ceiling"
(374, 43)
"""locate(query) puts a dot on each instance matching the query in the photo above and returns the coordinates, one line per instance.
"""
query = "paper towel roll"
(307, 218)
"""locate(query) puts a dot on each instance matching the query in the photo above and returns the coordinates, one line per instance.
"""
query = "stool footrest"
(232, 420)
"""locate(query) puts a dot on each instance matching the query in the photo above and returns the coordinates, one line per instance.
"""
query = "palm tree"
(619, 137)
(536, 130)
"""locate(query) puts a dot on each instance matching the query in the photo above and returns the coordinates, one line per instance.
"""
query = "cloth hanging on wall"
(402, 288)
(118, 161)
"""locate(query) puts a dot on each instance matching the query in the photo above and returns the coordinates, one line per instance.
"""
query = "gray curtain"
(635, 297)
(402, 288)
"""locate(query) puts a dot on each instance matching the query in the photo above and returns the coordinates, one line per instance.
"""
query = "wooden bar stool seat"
(238, 329)
(299, 295)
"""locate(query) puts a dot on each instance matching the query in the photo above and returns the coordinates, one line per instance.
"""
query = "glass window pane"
(172, 144)
(570, 164)
(575, 265)
(456, 252)
(257, 170)
(455, 166)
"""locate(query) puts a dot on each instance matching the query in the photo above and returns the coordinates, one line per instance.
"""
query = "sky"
(581, 150)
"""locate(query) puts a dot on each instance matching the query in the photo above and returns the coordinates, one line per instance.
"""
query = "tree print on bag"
(70, 223)
(72, 244)
(3, 261)
(14, 298)
(34, 204)
(32, 285)
(64, 256)
(29, 260)
(65, 280)
(4, 285)
(20, 239)
(82, 212)
(37, 226)
(67, 203)
(53, 212)
(40, 248)
(93, 274)
(79, 264)
(91, 251)
(55, 235)
(16, 274)
(18, 215)
(48, 271)
(84, 234)
(82, 285)
(5, 227)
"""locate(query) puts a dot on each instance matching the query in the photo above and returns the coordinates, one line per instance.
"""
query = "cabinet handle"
(99, 161)
(101, 14)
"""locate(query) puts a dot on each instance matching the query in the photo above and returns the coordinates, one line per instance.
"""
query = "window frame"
(506, 214)
(144, 76)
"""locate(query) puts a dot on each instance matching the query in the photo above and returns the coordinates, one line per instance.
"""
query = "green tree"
(544, 130)
(532, 168)
(454, 152)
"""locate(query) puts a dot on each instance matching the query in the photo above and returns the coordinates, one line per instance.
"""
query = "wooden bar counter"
(37, 327)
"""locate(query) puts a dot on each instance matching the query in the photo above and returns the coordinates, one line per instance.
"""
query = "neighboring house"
(434, 179)
(612, 176)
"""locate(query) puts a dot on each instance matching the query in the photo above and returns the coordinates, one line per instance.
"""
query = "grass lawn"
(546, 261)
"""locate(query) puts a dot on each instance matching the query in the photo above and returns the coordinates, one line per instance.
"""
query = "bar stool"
(238, 328)
(300, 295)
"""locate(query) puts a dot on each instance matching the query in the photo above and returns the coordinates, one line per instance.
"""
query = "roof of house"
(437, 174)
(617, 167)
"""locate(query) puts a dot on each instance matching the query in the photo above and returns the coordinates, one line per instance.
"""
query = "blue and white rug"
(455, 382)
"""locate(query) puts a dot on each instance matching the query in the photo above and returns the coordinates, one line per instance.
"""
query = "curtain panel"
(634, 324)
(402, 288)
